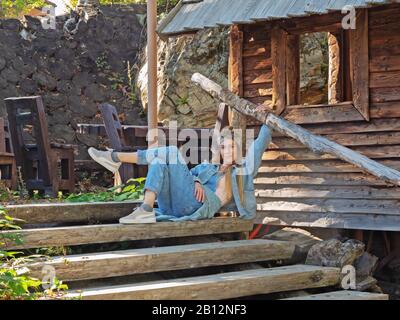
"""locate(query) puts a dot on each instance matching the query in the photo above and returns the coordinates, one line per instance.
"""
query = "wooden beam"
(359, 56)
(293, 69)
(220, 286)
(104, 233)
(331, 220)
(343, 295)
(148, 260)
(316, 144)
(335, 82)
(278, 54)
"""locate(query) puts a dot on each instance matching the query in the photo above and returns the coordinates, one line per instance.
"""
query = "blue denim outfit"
(174, 184)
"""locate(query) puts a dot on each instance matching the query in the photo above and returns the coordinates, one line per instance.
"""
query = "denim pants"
(169, 177)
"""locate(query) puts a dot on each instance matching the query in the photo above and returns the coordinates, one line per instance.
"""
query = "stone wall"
(75, 67)
(179, 99)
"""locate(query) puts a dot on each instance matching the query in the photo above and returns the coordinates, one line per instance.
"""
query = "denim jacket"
(203, 172)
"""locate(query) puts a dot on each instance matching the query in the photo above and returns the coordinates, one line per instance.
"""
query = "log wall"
(298, 187)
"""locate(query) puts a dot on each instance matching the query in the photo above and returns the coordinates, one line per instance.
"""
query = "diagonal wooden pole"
(315, 143)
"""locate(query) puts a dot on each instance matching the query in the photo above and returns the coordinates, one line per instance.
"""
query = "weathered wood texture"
(220, 286)
(343, 295)
(359, 55)
(103, 233)
(293, 172)
(317, 144)
(147, 260)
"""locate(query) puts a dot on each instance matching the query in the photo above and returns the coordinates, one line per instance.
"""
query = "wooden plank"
(322, 114)
(385, 110)
(386, 79)
(388, 124)
(342, 295)
(331, 179)
(257, 48)
(257, 63)
(278, 54)
(72, 212)
(348, 140)
(236, 60)
(78, 235)
(316, 166)
(293, 69)
(384, 207)
(359, 61)
(335, 81)
(385, 94)
(328, 192)
(258, 90)
(304, 154)
(330, 220)
(384, 64)
(220, 286)
(147, 260)
(257, 76)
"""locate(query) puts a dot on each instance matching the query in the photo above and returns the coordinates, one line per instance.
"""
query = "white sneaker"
(104, 158)
(139, 215)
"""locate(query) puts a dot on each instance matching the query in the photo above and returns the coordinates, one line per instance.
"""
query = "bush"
(15, 282)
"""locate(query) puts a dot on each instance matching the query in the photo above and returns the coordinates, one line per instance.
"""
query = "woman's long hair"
(227, 134)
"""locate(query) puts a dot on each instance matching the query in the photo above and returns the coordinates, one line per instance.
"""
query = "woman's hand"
(199, 192)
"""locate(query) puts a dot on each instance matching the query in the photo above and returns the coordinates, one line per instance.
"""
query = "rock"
(334, 253)
(82, 106)
(54, 101)
(29, 86)
(10, 75)
(62, 133)
(2, 63)
(365, 265)
(11, 24)
(205, 52)
(45, 80)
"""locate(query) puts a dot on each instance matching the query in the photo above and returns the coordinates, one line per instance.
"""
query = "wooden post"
(152, 71)
(315, 143)
(293, 70)
(359, 63)
(335, 82)
(236, 119)
(278, 56)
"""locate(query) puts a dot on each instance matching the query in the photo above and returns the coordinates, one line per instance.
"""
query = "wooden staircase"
(209, 259)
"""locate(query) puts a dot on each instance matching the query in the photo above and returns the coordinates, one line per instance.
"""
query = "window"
(304, 50)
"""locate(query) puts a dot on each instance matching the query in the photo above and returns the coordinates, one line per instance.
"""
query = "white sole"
(142, 221)
(103, 162)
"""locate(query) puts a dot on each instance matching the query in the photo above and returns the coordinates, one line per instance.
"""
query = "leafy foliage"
(15, 282)
(133, 190)
(16, 8)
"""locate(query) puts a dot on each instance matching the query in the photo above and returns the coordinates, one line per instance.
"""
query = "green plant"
(15, 282)
(16, 8)
(182, 101)
(132, 190)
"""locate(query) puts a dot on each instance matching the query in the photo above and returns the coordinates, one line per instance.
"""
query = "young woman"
(184, 194)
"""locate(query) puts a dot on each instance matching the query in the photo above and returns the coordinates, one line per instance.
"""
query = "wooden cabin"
(295, 186)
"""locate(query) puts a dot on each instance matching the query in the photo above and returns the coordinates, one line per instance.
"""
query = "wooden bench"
(8, 169)
(46, 167)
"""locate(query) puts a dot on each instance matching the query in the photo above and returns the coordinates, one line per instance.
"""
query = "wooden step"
(45, 213)
(78, 235)
(220, 286)
(343, 295)
(138, 261)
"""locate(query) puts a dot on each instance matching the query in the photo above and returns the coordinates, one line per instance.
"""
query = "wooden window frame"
(349, 61)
